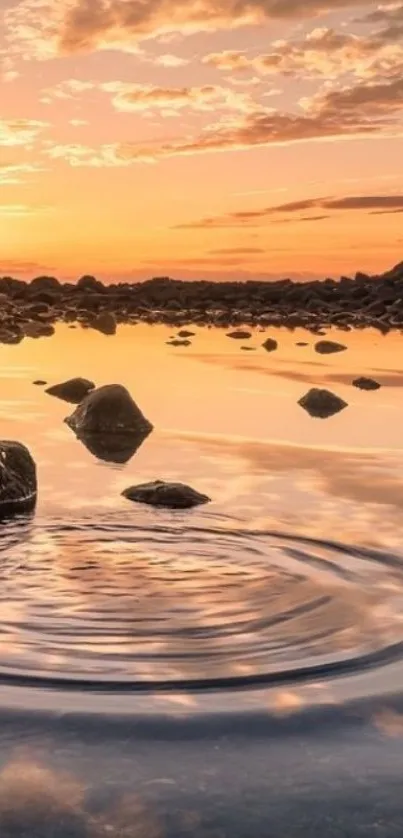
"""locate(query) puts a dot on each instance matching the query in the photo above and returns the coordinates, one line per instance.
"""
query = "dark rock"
(45, 283)
(172, 495)
(366, 384)
(73, 390)
(109, 410)
(249, 348)
(18, 485)
(36, 329)
(270, 345)
(327, 347)
(11, 336)
(239, 334)
(40, 383)
(176, 342)
(105, 322)
(322, 403)
(89, 283)
(302, 343)
(184, 333)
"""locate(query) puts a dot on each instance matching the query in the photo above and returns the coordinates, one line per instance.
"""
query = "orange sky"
(200, 138)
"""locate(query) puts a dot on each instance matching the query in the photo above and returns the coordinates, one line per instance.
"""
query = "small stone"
(40, 383)
(160, 493)
(72, 391)
(322, 403)
(328, 347)
(176, 342)
(270, 345)
(184, 333)
(366, 384)
(302, 343)
(239, 334)
(249, 348)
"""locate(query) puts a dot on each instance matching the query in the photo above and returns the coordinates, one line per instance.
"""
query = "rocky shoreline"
(32, 308)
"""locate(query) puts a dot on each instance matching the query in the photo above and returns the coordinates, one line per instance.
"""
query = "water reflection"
(113, 448)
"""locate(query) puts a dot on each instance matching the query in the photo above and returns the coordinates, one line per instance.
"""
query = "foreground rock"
(366, 383)
(328, 347)
(109, 410)
(172, 495)
(270, 345)
(105, 323)
(18, 484)
(73, 391)
(322, 403)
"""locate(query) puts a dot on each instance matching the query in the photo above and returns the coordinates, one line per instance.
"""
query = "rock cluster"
(32, 308)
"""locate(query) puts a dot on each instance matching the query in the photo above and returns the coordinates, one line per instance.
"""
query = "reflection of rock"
(327, 347)
(322, 403)
(270, 345)
(109, 410)
(239, 334)
(159, 493)
(73, 390)
(113, 448)
(18, 485)
(366, 384)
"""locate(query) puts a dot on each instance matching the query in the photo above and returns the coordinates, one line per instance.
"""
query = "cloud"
(11, 267)
(234, 251)
(63, 27)
(384, 203)
(20, 132)
(11, 173)
(21, 210)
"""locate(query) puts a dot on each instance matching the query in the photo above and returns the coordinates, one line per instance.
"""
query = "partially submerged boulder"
(171, 495)
(109, 410)
(270, 345)
(328, 347)
(366, 383)
(18, 483)
(322, 403)
(73, 391)
(184, 333)
(105, 322)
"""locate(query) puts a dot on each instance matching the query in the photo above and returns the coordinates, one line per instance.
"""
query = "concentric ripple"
(162, 606)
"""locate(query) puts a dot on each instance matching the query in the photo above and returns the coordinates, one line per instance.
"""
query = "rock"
(184, 333)
(73, 390)
(45, 283)
(249, 348)
(321, 403)
(327, 347)
(159, 493)
(105, 322)
(366, 384)
(89, 283)
(109, 410)
(38, 330)
(40, 383)
(270, 345)
(239, 334)
(302, 343)
(11, 336)
(18, 485)
(176, 342)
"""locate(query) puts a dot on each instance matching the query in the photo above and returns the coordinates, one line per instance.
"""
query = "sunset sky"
(200, 138)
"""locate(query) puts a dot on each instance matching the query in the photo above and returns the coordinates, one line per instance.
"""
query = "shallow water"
(294, 569)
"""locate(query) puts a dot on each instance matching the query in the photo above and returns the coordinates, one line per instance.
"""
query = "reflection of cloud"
(344, 474)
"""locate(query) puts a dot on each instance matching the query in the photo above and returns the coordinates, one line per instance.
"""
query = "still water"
(283, 596)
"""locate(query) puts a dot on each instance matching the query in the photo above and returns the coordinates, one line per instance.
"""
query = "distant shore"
(32, 308)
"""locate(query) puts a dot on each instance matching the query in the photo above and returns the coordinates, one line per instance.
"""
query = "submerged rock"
(109, 410)
(270, 345)
(249, 348)
(322, 403)
(73, 390)
(366, 384)
(172, 495)
(176, 342)
(18, 484)
(328, 347)
(184, 333)
(39, 382)
(239, 334)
